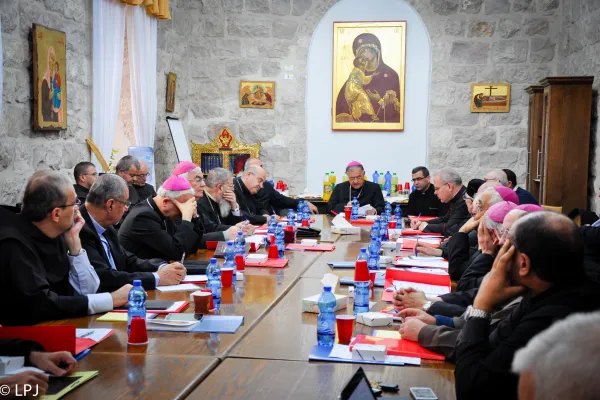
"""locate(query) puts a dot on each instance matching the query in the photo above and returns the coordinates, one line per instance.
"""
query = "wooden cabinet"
(559, 141)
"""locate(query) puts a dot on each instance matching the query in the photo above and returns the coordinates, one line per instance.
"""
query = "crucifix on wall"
(490, 88)
(490, 97)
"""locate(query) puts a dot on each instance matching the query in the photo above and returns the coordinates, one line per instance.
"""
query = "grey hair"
(564, 359)
(173, 194)
(185, 175)
(249, 162)
(106, 187)
(490, 224)
(499, 175)
(126, 163)
(449, 175)
(45, 191)
(495, 197)
(218, 176)
(354, 167)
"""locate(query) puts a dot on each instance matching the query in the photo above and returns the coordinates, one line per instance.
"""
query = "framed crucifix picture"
(490, 97)
(369, 63)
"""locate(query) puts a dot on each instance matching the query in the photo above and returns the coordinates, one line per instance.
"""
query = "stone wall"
(213, 44)
(23, 150)
(579, 50)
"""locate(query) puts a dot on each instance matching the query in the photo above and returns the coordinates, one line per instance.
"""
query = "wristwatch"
(426, 305)
(476, 313)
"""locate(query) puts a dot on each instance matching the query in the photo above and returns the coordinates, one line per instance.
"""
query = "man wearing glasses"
(85, 175)
(423, 201)
(366, 192)
(143, 189)
(127, 168)
(45, 273)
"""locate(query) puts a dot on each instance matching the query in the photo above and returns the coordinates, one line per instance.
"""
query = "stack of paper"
(430, 290)
(182, 287)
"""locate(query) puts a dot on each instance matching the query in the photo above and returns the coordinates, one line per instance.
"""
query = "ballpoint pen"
(417, 247)
(182, 258)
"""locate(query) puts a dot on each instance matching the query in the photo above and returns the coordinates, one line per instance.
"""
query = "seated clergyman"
(365, 192)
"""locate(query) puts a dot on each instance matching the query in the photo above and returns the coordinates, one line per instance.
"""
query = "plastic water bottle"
(291, 218)
(306, 213)
(398, 216)
(387, 186)
(383, 227)
(279, 242)
(375, 177)
(300, 208)
(388, 209)
(354, 214)
(375, 234)
(362, 255)
(229, 255)
(137, 303)
(271, 226)
(381, 180)
(326, 318)
(394, 184)
(362, 283)
(213, 272)
(373, 260)
(240, 245)
(413, 188)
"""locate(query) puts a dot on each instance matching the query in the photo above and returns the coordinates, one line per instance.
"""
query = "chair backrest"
(552, 208)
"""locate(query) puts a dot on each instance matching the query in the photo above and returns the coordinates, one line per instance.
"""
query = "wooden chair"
(552, 208)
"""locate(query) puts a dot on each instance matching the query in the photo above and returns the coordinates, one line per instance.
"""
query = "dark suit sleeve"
(441, 339)
(277, 200)
(19, 348)
(33, 300)
(255, 219)
(378, 202)
(411, 208)
(472, 277)
(334, 203)
(451, 222)
(458, 255)
(446, 309)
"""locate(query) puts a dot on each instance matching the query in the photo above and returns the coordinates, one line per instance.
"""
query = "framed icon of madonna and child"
(369, 63)
(49, 78)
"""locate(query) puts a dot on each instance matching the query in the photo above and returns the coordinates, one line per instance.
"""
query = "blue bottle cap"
(240, 233)
(327, 288)
(363, 250)
(213, 260)
(230, 243)
(137, 282)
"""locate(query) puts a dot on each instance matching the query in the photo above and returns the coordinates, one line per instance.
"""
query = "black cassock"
(250, 206)
(369, 193)
(34, 275)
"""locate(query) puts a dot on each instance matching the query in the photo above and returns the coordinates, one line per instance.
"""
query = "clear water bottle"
(271, 227)
(362, 255)
(300, 207)
(362, 282)
(375, 234)
(373, 260)
(375, 177)
(306, 213)
(229, 255)
(279, 242)
(291, 218)
(354, 214)
(240, 245)
(137, 303)
(413, 188)
(213, 272)
(388, 209)
(387, 186)
(398, 216)
(326, 319)
(383, 228)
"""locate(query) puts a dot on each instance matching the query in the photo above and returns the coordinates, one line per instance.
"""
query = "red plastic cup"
(305, 223)
(347, 212)
(240, 263)
(392, 224)
(253, 246)
(211, 306)
(202, 302)
(372, 276)
(345, 327)
(289, 234)
(226, 277)
(361, 271)
(138, 335)
(273, 250)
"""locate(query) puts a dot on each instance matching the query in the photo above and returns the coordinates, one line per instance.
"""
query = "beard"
(224, 208)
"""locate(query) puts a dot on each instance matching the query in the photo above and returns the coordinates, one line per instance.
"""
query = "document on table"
(430, 290)
(95, 334)
(182, 287)
(363, 209)
(343, 352)
(255, 239)
(425, 263)
(195, 278)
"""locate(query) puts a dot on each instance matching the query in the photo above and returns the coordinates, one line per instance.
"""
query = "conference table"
(268, 355)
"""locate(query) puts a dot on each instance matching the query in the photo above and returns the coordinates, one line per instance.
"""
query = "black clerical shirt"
(424, 203)
(144, 192)
(369, 193)
(81, 192)
(250, 206)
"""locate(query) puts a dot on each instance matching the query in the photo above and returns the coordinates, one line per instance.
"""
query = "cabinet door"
(542, 166)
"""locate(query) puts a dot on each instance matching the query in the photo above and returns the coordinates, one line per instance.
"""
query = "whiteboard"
(143, 153)
(182, 147)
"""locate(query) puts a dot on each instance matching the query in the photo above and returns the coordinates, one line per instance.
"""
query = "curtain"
(141, 40)
(155, 8)
(108, 46)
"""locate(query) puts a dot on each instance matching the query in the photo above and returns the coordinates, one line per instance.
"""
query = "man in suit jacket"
(85, 175)
(246, 187)
(449, 189)
(149, 231)
(525, 197)
(115, 266)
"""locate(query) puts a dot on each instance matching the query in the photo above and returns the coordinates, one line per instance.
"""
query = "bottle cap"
(363, 250)
(137, 282)
(230, 243)
(240, 233)
(327, 288)
(213, 260)
(361, 272)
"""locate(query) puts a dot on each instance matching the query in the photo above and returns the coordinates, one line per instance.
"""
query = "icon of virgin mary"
(372, 91)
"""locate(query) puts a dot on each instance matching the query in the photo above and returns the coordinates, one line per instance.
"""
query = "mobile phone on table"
(422, 393)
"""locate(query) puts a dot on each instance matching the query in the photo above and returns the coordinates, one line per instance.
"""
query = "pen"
(82, 354)
(417, 247)
(273, 209)
(182, 258)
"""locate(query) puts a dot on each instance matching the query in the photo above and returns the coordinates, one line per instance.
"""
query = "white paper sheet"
(430, 290)
(405, 360)
(256, 239)
(195, 278)
(423, 263)
(94, 334)
(363, 209)
(341, 351)
(183, 287)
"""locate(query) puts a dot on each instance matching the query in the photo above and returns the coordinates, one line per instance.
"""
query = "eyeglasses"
(125, 203)
(415, 180)
(355, 178)
(77, 203)
(139, 175)
(94, 174)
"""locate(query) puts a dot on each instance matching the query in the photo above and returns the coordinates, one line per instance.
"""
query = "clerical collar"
(350, 189)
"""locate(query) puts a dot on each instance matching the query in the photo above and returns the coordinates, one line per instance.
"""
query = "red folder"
(272, 263)
(399, 347)
(411, 244)
(179, 309)
(424, 219)
(52, 338)
(319, 247)
(362, 221)
(82, 344)
(395, 274)
(414, 232)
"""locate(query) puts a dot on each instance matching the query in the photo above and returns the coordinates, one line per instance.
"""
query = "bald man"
(139, 177)
(270, 198)
(246, 187)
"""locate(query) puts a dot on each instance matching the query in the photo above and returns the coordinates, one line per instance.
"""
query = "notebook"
(399, 347)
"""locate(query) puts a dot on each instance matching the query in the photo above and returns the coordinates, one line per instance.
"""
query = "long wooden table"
(266, 358)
